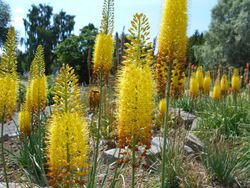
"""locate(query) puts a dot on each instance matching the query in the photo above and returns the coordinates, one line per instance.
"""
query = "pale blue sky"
(89, 11)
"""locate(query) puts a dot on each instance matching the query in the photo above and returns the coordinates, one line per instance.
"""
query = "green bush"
(227, 117)
(222, 163)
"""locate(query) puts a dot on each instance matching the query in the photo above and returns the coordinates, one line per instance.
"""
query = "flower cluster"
(136, 88)
(172, 44)
(8, 77)
(67, 134)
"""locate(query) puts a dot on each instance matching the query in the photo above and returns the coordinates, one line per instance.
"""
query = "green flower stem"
(165, 131)
(2, 152)
(133, 163)
(92, 185)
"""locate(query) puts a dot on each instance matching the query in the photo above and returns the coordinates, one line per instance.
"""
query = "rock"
(113, 155)
(195, 124)
(194, 143)
(157, 141)
(188, 150)
(10, 128)
(187, 119)
(155, 149)
(175, 110)
(48, 110)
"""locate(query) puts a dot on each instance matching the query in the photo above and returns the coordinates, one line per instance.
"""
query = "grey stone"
(10, 128)
(48, 110)
(154, 150)
(188, 150)
(194, 142)
(113, 155)
(175, 110)
(187, 119)
(157, 141)
(195, 124)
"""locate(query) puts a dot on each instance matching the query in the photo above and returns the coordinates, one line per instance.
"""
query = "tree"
(75, 51)
(228, 39)
(194, 41)
(4, 21)
(48, 29)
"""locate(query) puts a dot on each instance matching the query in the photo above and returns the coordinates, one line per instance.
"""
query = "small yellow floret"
(216, 91)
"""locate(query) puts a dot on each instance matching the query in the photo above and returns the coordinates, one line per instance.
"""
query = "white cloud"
(19, 11)
(17, 22)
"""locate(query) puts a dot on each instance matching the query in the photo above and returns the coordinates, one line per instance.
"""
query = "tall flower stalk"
(36, 96)
(172, 46)
(135, 91)
(102, 60)
(68, 134)
(9, 87)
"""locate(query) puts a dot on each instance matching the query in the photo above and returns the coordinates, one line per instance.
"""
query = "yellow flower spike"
(67, 93)
(194, 87)
(104, 44)
(216, 91)
(24, 122)
(224, 84)
(135, 88)
(172, 42)
(207, 83)
(135, 105)
(235, 81)
(161, 78)
(38, 89)
(103, 54)
(36, 94)
(68, 134)
(162, 106)
(37, 67)
(8, 77)
(199, 77)
(67, 148)
(8, 96)
(8, 63)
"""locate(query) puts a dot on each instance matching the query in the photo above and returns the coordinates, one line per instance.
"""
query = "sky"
(89, 11)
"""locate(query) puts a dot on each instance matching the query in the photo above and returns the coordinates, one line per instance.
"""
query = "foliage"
(229, 119)
(21, 93)
(76, 51)
(222, 163)
(227, 41)
(31, 157)
(195, 40)
(41, 30)
(4, 20)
